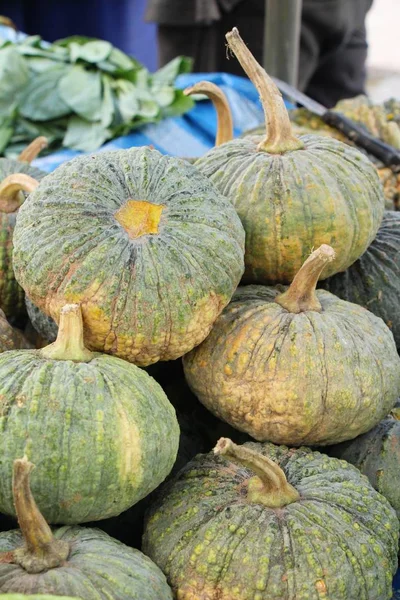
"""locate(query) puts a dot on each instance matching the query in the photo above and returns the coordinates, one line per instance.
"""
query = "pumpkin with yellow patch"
(100, 430)
(299, 366)
(144, 242)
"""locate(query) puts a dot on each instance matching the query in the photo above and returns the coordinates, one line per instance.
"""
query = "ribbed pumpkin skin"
(102, 434)
(10, 338)
(11, 293)
(327, 193)
(98, 568)
(44, 325)
(145, 299)
(377, 455)
(310, 378)
(373, 281)
(34, 597)
(339, 542)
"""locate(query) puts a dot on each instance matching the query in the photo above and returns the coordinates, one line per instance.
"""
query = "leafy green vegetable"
(80, 92)
(14, 73)
(41, 100)
(84, 135)
(91, 52)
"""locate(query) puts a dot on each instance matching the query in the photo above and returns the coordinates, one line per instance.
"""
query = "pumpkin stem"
(269, 486)
(41, 550)
(11, 187)
(221, 105)
(30, 152)
(301, 295)
(69, 344)
(280, 137)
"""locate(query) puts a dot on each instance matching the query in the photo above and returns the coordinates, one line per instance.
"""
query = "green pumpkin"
(377, 455)
(262, 522)
(373, 281)
(71, 561)
(16, 177)
(293, 194)
(44, 325)
(299, 367)
(10, 337)
(142, 241)
(34, 597)
(100, 430)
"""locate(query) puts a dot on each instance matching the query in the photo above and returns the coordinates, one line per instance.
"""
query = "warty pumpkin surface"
(16, 177)
(71, 561)
(34, 597)
(272, 523)
(293, 194)
(143, 241)
(100, 430)
(373, 281)
(299, 367)
(377, 455)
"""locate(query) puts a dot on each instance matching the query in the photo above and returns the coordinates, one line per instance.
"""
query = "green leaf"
(168, 73)
(163, 95)
(107, 108)
(14, 74)
(41, 100)
(6, 131)
(122, 61)
(91, 52)
(81, 91)
(39, 64)
(127, 99)
(148, 109)
(85, 135)
(180, 105)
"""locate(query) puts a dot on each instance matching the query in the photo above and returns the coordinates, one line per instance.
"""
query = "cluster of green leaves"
(80, 92)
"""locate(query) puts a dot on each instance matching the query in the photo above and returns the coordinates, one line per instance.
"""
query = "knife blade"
(386, 153)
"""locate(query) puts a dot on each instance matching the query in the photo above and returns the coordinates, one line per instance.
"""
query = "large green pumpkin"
(273, 523)
(373, 281)
(377, 455)
(143, 241)
(294, 194)
(299, 367)
(100, 430)
(16, 177)
(71, 561)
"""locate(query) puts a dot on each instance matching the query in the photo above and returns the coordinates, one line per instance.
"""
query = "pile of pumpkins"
(129, 259)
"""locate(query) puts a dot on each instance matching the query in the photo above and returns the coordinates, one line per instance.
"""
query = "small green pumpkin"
(377, 455)
(71, 561)
(142, 241)
(299, 367)
(262, 522)
(373, 281)
(10, 337)
(101, 431)
(16, 177)
(293, 194)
